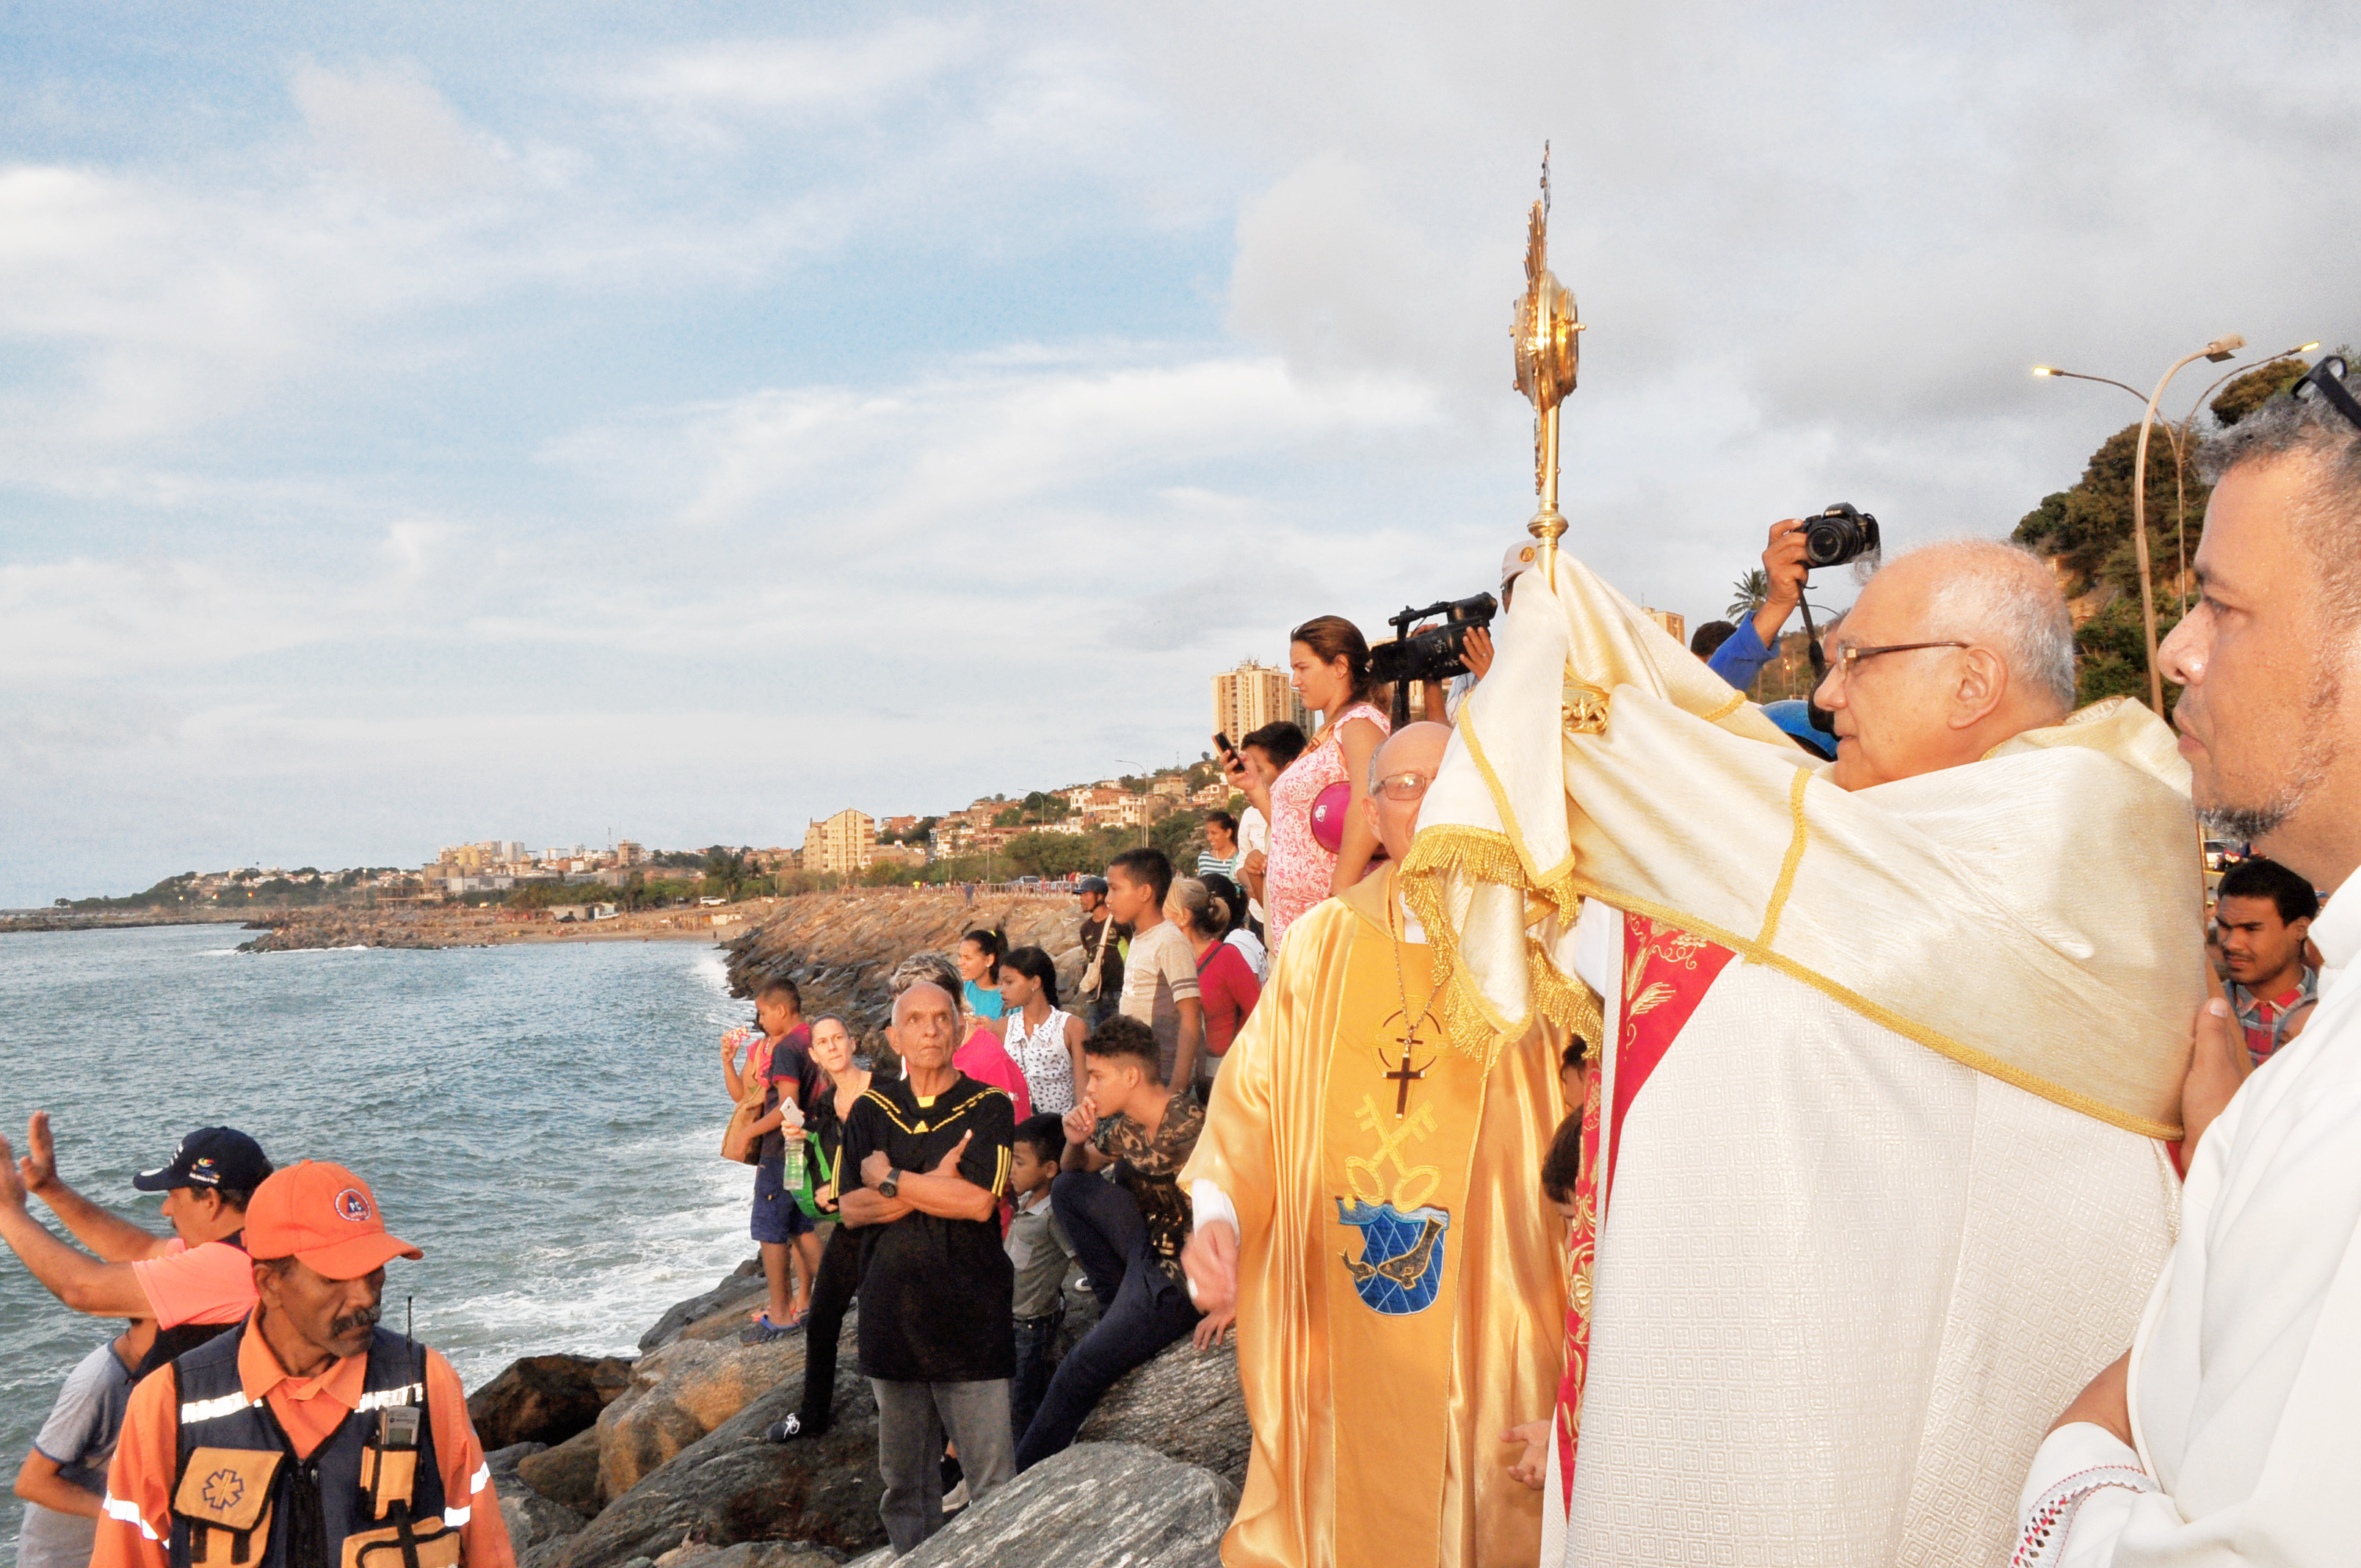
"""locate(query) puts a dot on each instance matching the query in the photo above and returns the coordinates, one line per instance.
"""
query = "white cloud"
(393, 128)
(797, 77)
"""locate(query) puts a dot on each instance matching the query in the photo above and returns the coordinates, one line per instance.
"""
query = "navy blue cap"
(210, 1156)
(1794, 717)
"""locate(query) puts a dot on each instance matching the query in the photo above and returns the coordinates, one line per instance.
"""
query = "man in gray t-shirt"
(65, 1477)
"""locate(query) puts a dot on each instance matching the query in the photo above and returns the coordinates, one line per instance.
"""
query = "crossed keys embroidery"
(1406, 1195)
(1667, 944)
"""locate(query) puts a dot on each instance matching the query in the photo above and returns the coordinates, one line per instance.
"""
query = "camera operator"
(1443, 707)
(1743, 655)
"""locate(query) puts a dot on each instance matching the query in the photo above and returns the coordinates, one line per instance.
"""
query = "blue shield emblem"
(1401, 1266)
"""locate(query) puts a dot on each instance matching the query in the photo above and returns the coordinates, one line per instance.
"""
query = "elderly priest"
(1877, 1173)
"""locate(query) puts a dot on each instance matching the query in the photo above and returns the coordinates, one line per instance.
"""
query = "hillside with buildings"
(1045, 832)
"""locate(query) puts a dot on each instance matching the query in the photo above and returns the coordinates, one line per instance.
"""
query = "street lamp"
(2220, 349)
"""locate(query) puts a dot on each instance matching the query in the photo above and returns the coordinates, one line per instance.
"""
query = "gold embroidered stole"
(1397, 1141)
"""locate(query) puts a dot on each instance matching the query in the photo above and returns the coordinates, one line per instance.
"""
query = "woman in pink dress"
(1330, 665)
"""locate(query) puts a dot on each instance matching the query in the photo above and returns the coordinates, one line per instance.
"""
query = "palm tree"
(1751, 589)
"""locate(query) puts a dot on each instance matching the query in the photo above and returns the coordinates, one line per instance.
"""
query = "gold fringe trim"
(1470, 1024)
(1909, 1029)
(1786, 882)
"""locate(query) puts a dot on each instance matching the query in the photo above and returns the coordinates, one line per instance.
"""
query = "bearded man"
(1875, 1169)
(2231, 1430)
(1368, 1201)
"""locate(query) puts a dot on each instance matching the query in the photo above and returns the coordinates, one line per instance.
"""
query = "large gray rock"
(732, 1487)
(1098, 1505)
(680, 1393)
(566, 1474)
(753, 1555)
(545, 1398)
(1185, 1404)
(742, 1289)
(532, 1518)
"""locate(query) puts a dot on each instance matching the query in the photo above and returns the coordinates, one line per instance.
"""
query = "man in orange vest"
(308, 1437)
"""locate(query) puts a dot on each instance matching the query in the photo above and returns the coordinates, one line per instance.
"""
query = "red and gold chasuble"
(1667, 973)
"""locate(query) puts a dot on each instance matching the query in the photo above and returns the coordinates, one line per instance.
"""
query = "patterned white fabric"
(1842, 1287)
(2244, 1385)
(1041, 1055)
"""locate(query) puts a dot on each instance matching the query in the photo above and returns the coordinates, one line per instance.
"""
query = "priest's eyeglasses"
(1404, 787)
(1848, 657)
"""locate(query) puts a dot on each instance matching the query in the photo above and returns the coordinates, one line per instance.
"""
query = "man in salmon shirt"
(308, 1437)
(193, 1283)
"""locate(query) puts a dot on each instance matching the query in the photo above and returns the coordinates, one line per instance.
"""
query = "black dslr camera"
(1436, 654)
(1841, 534)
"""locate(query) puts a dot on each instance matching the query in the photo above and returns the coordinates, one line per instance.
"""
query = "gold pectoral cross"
(1405, 1075)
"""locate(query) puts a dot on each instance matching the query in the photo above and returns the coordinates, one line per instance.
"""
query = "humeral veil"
(1400, 1280)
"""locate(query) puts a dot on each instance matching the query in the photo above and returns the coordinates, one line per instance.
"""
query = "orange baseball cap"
(325, 1217)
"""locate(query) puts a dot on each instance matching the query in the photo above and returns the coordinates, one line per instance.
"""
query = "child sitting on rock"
(1128, 1233)
(1038, 1252)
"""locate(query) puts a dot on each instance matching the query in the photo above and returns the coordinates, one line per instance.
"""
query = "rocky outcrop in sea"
(657, 1460)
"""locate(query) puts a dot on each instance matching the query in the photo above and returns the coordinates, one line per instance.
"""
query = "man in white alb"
(2231, 1430)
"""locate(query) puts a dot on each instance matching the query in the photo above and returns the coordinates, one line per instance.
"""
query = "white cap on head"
(1521, 555)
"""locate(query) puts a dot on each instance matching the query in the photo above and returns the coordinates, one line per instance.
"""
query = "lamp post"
(2221, 348)
(2180, 436)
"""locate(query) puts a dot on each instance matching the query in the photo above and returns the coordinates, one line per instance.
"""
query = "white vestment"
(2246, 1374)
(1842, 1288)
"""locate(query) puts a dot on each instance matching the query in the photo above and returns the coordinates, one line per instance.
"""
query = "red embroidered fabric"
(1667, 973)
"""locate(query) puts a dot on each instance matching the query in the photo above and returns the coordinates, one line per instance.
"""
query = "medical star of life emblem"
(222, 1489)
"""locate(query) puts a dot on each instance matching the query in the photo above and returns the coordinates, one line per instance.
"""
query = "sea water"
(543, 1121)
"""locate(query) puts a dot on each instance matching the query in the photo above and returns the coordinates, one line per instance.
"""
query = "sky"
(425, 423)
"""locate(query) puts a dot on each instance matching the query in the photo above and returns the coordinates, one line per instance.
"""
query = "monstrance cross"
(1548, 355)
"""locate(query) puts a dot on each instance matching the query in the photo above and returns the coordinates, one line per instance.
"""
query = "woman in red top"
(1226, 986)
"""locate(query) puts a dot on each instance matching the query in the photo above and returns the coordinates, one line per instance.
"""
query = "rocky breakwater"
(658, 1462)
(840, 947)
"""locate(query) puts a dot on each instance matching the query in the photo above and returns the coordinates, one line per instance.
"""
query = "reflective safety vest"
(369, 1496)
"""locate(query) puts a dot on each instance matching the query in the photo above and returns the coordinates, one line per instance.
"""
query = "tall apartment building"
(1252, 696)
(844, 844)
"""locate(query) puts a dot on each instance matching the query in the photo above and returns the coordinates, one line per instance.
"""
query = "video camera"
(1436, 654)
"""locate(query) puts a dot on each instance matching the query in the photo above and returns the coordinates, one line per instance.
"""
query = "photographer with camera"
(1743, 653)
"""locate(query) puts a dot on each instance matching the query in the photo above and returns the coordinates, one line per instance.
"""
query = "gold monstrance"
(1548, 353)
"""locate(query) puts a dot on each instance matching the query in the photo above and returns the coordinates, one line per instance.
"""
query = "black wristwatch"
(892, 1186)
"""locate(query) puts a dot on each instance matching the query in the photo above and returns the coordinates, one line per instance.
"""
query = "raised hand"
(12, 1182)
(1081, 1122)
(949, 1165)
(38, 1168)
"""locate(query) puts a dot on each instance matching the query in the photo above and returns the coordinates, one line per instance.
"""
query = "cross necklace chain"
(1405, 1075)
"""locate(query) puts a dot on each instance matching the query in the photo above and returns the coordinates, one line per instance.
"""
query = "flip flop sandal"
(763, 1332)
